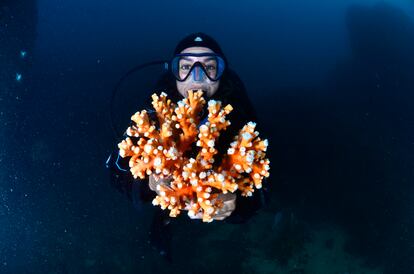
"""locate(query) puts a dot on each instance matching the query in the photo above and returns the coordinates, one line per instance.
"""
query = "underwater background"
(333, 85)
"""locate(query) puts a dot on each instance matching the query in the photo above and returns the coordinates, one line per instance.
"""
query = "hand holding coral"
(194, 184)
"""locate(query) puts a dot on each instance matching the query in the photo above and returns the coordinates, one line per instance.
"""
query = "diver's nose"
(198, 74)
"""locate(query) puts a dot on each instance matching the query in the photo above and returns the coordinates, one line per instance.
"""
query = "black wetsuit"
(232, 92)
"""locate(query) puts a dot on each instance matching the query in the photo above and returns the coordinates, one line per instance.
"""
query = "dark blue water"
(333, 85)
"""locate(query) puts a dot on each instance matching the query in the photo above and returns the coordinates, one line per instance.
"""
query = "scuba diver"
(198, 63)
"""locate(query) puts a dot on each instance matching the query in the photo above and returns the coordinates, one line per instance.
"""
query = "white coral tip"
(251, 124)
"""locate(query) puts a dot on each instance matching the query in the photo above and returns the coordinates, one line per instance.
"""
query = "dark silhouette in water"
(380, 79)
(345, 154)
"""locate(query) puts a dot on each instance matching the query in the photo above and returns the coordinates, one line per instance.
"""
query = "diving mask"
(199, 65)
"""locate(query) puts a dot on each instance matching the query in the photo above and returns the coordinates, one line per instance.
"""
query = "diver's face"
(209, 87)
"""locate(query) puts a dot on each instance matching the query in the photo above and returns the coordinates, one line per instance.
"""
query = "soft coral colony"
(160, 148)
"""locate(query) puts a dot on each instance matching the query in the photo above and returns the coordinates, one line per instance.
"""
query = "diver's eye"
(185, 67)
(210, 67)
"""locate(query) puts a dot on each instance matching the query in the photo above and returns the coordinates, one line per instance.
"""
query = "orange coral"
(196, 182)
